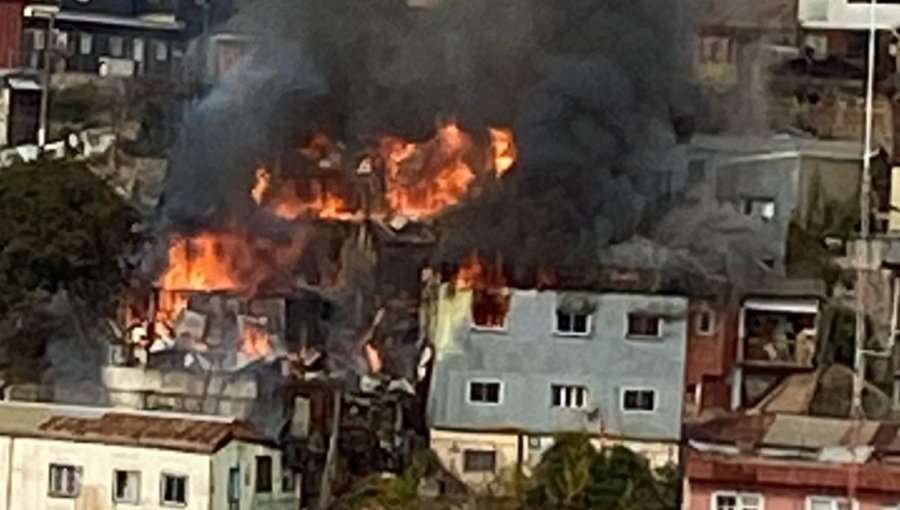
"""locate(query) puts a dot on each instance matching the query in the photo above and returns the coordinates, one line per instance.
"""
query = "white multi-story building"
(78, 458)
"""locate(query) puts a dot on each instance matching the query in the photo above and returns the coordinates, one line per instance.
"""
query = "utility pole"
(45, 80)
(862, 257)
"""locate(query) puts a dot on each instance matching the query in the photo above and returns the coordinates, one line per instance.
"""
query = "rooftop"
(172, 431)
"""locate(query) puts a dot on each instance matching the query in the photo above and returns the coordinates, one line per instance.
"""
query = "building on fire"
(76, 457)
(514, 366)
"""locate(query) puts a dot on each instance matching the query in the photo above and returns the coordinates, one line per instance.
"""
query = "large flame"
(255, 341)
(423, 179)
(490, 296)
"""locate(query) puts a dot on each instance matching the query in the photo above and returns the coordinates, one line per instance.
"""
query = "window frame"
(713, 326)
(465, 465)
(162, 489)
(85, 43)
(574, 387)
(62, 494)
(642, 336)
(626, 390)
(747, 208)
(269, 486)
(233, 486)
(287, 474)
(832, 500)
(115, 492)
(589, 325)
(469, 384)
(737, 495)
(503, 328)
(116, 41)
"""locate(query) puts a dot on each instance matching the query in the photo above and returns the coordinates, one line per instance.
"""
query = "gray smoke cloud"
(591, 88)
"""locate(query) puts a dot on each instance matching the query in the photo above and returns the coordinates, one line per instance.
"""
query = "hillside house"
(54, 456)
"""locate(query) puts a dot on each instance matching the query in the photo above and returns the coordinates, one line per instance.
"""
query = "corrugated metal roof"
(202, 434)
(815, 433)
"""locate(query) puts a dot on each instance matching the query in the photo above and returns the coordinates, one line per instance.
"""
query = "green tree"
(62, 227)
(573, 475)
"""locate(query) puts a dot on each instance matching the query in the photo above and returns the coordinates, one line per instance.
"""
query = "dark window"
(857, 44)
(263, 473)
(127, 486)
(572, 323)
(643, 325)
(288, 479)
(65, 481)
(174, 490)
(639, 400)
(475, 461)
(484, 392)
(706, 322)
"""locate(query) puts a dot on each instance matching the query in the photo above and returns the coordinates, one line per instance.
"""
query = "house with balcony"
(514, 366)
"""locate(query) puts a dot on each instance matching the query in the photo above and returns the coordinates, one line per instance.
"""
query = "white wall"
(31, 459)
(244, 455)
(838, 14)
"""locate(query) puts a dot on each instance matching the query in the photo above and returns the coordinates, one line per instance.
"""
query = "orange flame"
(255, 340)
(503, 150)
(373, 357)
(490, 297)
(425, 178)
(263, 178)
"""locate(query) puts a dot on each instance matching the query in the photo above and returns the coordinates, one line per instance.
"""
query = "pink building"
(790, 462)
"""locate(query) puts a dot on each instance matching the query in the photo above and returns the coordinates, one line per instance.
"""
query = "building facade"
(66, 457)
(609, 364)
(788, 462)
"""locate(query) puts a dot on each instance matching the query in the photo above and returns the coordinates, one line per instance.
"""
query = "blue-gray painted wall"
(528, 357)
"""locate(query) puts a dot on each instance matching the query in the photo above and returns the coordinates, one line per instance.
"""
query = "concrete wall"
(243, 455)
(177, 390)
(28, 480)
(450, 447)
(823, 181)
(528, 357)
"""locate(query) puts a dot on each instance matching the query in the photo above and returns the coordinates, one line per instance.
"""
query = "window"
(484, 392)
(572, 397)
(138, 47)
(857, 45)
(65, 481)
(573, 324)
(827, 503)
(479, 461)
(263, 473)
(705, 322)
(490, 309)
(642, 325)
(234, 487)
(116, 46)
(288, 478)
(174, 490)
(762, 208)
(39, 39)
(126, 486)
(737, 501)
(639, 400)
(85, 44)
(161, 51)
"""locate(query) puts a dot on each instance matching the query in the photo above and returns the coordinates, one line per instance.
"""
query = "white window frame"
(475, 450)
(762, 212)
(737, 495)
(637, 411)
(162, 490)
(569, 403)
(484, 381)
(712, 322)
(660, 323)
(85, 43)
(833, 501)
(577, 334)
(160, 50)
(138, 49)
(136, 497)
(52, 491)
